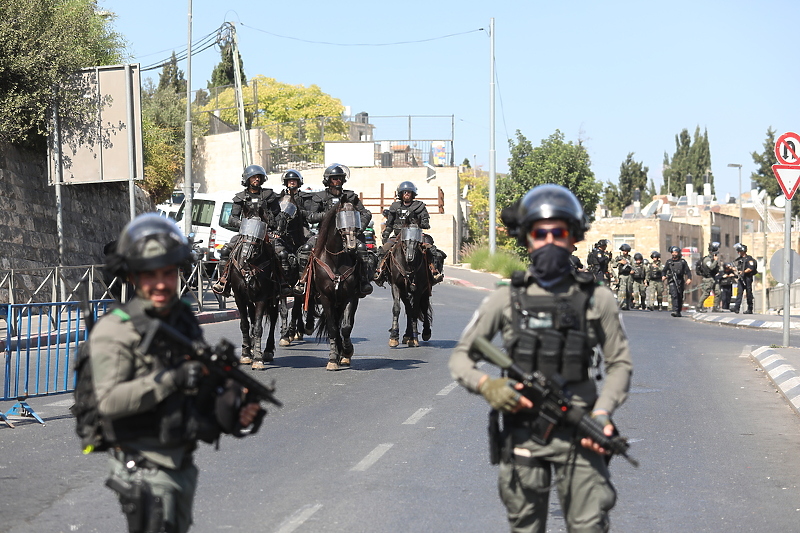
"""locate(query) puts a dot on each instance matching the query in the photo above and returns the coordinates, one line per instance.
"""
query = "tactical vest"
(675, 267)
(654, 272)
(626, 269)
(638, 272)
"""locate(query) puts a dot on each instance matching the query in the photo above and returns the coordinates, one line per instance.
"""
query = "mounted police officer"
(639, 281)
(598, 262)
(334, 178)
(551, 318)
(291, 224)
(655, 285)
(747, 267)
(624, 270)
(677, 274)
(154, 403)
(404, 211)
(708, 268)
(253, 201)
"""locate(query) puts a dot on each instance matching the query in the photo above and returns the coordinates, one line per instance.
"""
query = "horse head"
(411, 237)
(348, 224)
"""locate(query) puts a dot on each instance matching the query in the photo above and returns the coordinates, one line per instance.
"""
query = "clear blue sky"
(623, 76)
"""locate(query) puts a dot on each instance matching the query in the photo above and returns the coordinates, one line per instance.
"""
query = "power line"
(200, 45)
(502, 108)
(360, 44)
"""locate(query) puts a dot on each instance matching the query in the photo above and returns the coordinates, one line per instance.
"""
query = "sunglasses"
(557, 233)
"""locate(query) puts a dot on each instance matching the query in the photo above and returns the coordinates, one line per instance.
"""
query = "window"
(619, 240)
(727, 239)
(695, 243)
(225, 216)
(669, 241)
(202, 212)
(715, 234)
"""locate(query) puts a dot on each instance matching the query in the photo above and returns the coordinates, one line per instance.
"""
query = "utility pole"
(188, 188)
(247, 157)
(492, 151)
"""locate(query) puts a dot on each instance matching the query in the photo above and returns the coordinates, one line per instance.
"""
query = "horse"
(334, 281)
(410, 278)
(255, 290)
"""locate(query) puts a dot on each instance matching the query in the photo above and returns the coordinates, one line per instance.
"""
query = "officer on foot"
(638, 282)
(655, 285)
(624, 269)
(747, 268)
(677, 274)
(257, 201)
(598, 262)
(154, 403)
(709, 269)
(407, 210)
(726, 280)
(566, 305)
(334, 178)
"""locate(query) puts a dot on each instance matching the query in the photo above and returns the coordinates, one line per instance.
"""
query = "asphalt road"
(392, 445)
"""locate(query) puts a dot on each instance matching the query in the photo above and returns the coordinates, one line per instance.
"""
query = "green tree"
(224, 73)
(477, 183)
(554, 161)
(693, 157)
(466, 163)
(171, 77)
(43, 45)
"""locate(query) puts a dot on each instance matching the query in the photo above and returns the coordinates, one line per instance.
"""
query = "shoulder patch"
(121, 314)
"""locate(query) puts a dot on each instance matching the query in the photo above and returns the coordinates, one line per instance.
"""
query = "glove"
(187, 376)
(602, 418)
(499, 394)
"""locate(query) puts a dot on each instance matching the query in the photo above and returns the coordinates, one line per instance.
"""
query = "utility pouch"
(145, 512)
(495, 437)
(548, 357)
(542, 428)
(575, 366)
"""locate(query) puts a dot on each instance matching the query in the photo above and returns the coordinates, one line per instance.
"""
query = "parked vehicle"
(369, 236)
(211, 214)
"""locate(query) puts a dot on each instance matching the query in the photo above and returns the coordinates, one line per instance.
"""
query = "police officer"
(747, 268)
(598, 262)
(291, 223)
(624, 269)
(334, 178)
(726, 278)
(404, 211)
(575, 260)
(639, 281)
(677, 274)
(655, 285)
(565, 304)
(155, 404)
(254, 200)
(709, 269)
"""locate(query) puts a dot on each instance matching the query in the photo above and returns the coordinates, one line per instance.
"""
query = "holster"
(144, 512)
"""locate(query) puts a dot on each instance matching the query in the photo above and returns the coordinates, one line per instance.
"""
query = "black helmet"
(406, 186)
(739, 247)
(601, 243)
(253, 170)
(625, 247)
(551, 202)
(638, 257)
(150, 242)
(292, 174)
(335, 171)
(673, 249)
(655, 254)
(713, 247)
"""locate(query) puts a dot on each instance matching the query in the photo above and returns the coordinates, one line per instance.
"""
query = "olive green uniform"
(655, 285)
(582, 477)
(638, 285)
(709, 270)
(624, 266)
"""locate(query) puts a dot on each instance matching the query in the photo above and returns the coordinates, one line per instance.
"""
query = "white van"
(211, 214)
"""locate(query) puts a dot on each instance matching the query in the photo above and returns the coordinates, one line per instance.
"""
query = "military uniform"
(745, 263)
(598, 262)
(676, 271)
(709, 268)
(655, 285)
(639, 285)
(526, 471)
(624, 266)
(726, 278)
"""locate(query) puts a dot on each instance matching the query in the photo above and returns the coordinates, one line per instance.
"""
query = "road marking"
(298, 518)
(413, 419)
(447, 390)
(746, 351)
(372, 457)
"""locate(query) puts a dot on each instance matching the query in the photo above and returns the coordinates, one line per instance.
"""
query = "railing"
(416, 153)
(376, 204)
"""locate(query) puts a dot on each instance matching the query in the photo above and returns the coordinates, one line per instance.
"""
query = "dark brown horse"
(411, 285)
(256, 290)
(334, 281)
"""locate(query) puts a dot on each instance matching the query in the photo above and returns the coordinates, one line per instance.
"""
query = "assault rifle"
(551, 402)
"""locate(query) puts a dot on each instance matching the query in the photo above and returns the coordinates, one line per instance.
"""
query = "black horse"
(334, 281)
(255, 288)
(411, 284)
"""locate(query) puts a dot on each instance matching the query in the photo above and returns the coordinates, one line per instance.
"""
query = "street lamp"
(737, 165)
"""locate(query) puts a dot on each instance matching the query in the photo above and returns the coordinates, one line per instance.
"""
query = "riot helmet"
(655, 254)
(551, 201)
(335, 171)
(739, 247)
(149, 242)
(674, 250)
(406, 186)
(292, 174)
(625, 247)
(602, 243)
(713, 247)
(253, 170)
(638, 257)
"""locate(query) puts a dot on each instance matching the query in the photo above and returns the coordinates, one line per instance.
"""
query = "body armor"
(401, 215)
(654, 271)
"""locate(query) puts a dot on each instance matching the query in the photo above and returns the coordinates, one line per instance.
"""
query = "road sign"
(788, 178)
(787, 171)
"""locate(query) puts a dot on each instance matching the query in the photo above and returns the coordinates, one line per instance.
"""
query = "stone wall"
(93, 214)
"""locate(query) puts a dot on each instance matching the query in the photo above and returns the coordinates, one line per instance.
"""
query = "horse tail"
(321, 327)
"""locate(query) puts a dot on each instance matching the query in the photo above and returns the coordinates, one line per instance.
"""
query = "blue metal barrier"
(39, 347)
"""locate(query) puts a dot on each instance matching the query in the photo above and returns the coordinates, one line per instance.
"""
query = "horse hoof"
(412, 343)
(285, 341)
(393, 343)
(345, 361)
(246, 360)
(332, 366)
(296, 337)
(269, 357)
(426, 335)
(406, 339)
(258, 364)
(309, 330)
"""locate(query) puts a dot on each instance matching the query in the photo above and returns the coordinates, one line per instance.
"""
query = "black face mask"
(549, 264)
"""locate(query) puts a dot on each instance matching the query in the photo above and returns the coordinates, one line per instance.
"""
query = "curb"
(464, 283)
(737, 321)
(781, 373)
(218, 316)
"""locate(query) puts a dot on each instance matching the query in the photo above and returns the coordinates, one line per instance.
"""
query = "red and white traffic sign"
(787, 148)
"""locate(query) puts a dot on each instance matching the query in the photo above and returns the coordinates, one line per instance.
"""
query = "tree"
(43, 45)
(692, 157)
(764, 176)
(171, 78)
(477, 183)
(466, 163)
(224, 73)
(554, 161)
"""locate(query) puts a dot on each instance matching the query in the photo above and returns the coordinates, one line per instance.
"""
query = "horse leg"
(244, 326)
(394, 331)
(286, 326)
(296, 322)
(349, 318)
(411, 327)
(256, 331)
(425, 315)
(309, 327)
(334, 341)
(272, 316)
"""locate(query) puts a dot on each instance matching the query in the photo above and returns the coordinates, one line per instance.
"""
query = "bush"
(501, 262)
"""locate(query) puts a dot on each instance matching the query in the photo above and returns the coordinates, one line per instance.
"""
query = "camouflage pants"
(638, 289)
(655, 293)
(624, 292)
(708, 286)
